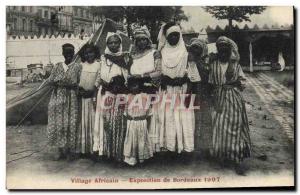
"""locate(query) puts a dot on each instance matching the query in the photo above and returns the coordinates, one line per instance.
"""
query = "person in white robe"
(177, 125)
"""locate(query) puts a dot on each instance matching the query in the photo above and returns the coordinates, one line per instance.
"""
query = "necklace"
(109, 65)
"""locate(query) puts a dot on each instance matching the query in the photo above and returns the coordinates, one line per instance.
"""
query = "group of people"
(119, 106)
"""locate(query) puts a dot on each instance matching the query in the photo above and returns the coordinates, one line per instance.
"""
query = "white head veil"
(172, 56)
(107, 50)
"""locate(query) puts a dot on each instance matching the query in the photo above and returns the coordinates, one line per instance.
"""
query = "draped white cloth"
(140, 66)
(176, 125)
(137, 145)
(87, 81)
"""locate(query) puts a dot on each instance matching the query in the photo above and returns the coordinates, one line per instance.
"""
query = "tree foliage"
(151, 16)
(236, 13)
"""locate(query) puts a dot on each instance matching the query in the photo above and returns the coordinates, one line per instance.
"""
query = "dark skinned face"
(141, 43)
(113, 44)
(224, 52)
(68, 54)
(196, 51)
(134, 88)
(90, 55)
(173, 38)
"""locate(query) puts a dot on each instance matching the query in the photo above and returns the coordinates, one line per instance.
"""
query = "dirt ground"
(272, 155)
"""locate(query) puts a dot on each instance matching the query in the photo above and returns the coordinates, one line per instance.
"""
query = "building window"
(31, 26)
(67, 22)
(23, 8)
(15, 24)
(14, 7)
(40, 13)
(46, 15)
(76, 12)
(24, 25)
(30, 9)
(81, 13)
(8, 28)
(54, 19)
(87, 14)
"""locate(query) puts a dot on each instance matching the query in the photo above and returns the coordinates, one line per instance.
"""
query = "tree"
(234, 13)
(115, 13)
(151, 16)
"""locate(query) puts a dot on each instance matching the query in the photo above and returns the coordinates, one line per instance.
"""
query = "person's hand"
(94, 101)
(156, 81)
(242, 85)
(104, 83)
(157, 55)
(85, 93)
(128, 58)
(137, 76)
(116, 89)
(146, 74)
(216, 106)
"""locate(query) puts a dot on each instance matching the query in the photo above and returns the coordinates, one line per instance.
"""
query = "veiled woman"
(110, 122)
(177, 124)
(231, 138)
(198, 52)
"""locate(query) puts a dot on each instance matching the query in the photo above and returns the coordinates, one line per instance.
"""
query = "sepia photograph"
(150, 97)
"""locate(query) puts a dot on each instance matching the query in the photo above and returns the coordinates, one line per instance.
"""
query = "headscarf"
(235, 56)
(141, 32)
(107, 51)
(234, 59)
(117, 58)
(200, 43)
(172, 55)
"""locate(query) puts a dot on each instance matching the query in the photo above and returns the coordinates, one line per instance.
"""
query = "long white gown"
(87, 81)
(177, 125)
(149, 64)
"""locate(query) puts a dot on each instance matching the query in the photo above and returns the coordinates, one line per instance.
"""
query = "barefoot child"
(137, 146)
(87, 89)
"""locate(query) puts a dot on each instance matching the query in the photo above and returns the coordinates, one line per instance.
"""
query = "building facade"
(82, 20)
(21, 19)
(40, 20)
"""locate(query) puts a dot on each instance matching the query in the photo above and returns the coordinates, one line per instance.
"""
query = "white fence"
(21, 51)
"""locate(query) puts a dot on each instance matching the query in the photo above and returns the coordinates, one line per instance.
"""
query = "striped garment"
(231, 139)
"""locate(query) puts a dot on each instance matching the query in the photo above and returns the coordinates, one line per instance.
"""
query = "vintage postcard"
(150, 97)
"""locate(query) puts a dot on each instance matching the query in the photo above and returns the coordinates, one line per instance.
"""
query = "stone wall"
(21, 51)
